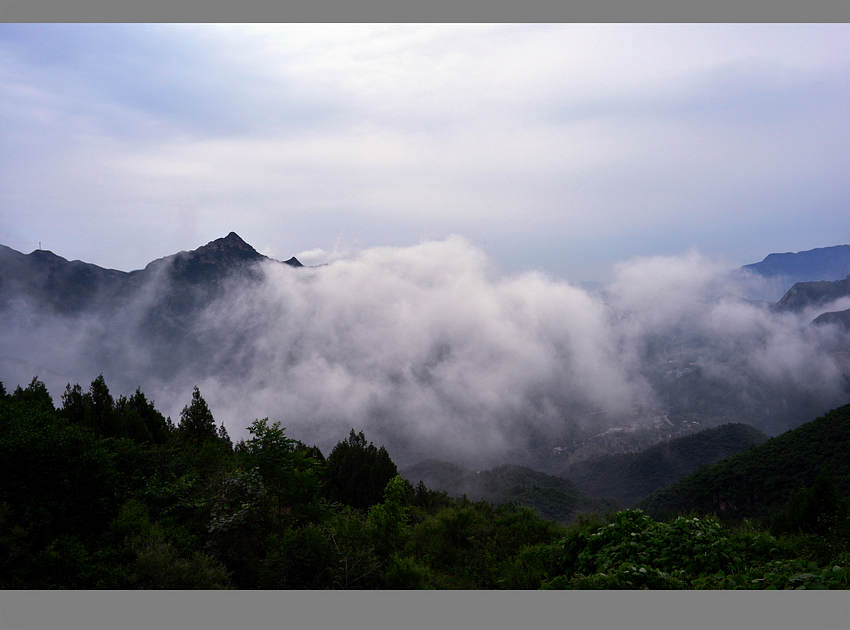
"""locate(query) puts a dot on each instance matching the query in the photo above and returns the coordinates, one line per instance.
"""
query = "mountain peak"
(229, 248)
(231, 241)
(234, 238)
(233, 244)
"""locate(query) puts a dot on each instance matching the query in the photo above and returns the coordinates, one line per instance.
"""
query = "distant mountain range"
(44, 279)
(822, 263)
(810, 279)
(132, 324)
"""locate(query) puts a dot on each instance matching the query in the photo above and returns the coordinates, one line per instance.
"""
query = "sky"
(563, 148)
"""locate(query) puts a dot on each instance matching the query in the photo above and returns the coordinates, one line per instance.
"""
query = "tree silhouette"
(357, 472)
(102, 406)
(197, 424)
(35, 393)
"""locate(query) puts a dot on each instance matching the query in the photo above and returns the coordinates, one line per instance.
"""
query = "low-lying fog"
(431, 351)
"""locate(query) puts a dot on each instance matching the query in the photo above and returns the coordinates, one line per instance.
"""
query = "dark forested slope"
(760, 481)
(810, 294)
(552, 497)
(106, 493)
(631, 476)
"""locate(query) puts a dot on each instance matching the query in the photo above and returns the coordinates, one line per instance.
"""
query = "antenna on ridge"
(39, 244)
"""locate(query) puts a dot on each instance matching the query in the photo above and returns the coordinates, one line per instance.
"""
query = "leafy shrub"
(301, 558)
(531, 567)
(405, 572)
(635, 551)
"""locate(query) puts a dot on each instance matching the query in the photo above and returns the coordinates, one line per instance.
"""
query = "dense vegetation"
(106, 493)
(553, 498)
(762, 482)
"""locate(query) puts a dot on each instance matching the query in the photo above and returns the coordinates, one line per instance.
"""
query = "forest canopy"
(102, 492)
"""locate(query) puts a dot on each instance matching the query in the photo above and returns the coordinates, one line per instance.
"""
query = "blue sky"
(564, 148)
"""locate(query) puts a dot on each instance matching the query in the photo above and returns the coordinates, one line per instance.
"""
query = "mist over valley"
(424, 306)
(431, 350)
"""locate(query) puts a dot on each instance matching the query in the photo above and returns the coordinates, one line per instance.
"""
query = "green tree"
(357, 473)
(154, 421)
(814, 510)
(269, 449)
(197, 424)
(129, 422)
(239, 524)
(102, 407)
(35, 394)
(288, 469)
(389, 520)
(224, 436)
(73, 404)
(299, 558)
(60, 487)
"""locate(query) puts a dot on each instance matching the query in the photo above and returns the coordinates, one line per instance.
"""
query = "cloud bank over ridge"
(431, 350)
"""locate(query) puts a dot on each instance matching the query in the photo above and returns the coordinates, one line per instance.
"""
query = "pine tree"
(357, 472)
(197, 424)
(102, 406)
(224, 436)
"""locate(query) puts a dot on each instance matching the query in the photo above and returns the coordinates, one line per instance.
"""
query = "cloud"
(318, 256)
(432, 350)
(562, 148)
(126, 141)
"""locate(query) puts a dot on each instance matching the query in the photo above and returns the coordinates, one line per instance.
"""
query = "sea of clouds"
(434, 352)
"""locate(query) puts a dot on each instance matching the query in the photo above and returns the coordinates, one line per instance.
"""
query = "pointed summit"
(227, 250)
(233, 239)
(233, 245)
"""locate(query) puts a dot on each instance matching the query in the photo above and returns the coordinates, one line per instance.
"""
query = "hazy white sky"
(564, 148)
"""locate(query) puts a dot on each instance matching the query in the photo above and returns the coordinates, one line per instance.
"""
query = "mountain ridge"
(149, 314)
(805, 261)
(43, 277)
(813, 293)
(787, 268)
(232, 242)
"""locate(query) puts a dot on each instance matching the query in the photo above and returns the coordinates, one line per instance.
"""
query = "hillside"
(759, 481)
(42, 278)
(809, 294)
(839, 318)
(631, 476)
(552, 497)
